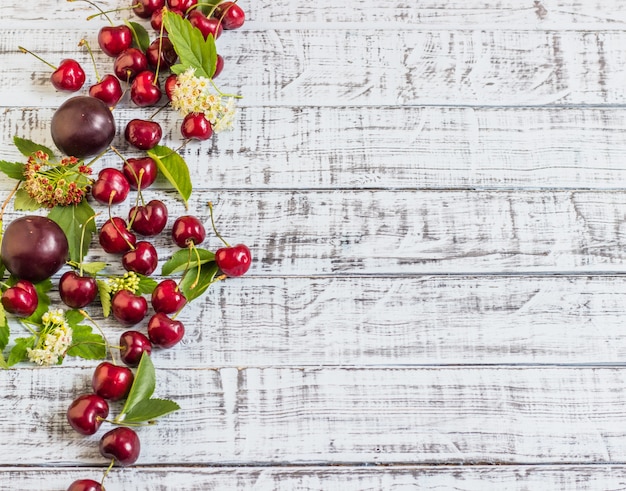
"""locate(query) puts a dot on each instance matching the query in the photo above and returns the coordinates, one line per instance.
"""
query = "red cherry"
(196, 126)
(145, 8)
(186, 229)
(231, 15)
(156, 20)
(110, 187)
(182, 5)
(21, 299)
(163, 331)
(149, 219)
(143, 259)
(128, 308)
(129, 63)
(121, 444)
(233, 261)
(69, 76)
(170, 83)
(167, 297)
(114, 236)
(206, 25)
(133, 345)
(219, 66)
(112, 382)
(115, 39)
(142, 169)
(164, 48)
(145, 90)
(143, 134)
(108, 90)
(85, 485)
(77, 291)
(86, 413)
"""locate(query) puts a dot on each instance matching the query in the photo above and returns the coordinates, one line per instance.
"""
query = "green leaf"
(28, 147)
(73, 219)
(146, 285)
(14, 170)
(143, 385)
(4, 329)
(149, 410)
(74, 317)
(43, 301)
(207, 6)
(18, 352)
(178, 68)
(104, 292)
(86, 344)
(174, 168)
(3, 362)
(179, 260)
(23, 202)
(204, 280)
(141, 38)
(190, 45)
(94, 268)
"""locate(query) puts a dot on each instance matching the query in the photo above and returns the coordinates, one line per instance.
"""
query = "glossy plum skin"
(121, 444)
(31, 237)
(82, 127)
(86, 413)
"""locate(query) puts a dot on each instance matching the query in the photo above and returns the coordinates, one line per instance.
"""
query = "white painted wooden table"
(435, 195)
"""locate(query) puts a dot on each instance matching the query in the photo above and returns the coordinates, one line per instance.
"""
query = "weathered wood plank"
(314, 478)
(374, 67)
(335, 415)
(389, 147)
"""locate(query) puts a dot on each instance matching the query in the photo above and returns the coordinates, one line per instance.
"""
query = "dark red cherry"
(233, 261)
(141, 171)
(108, 90)
(85, 485)
(196, 126)
(206, 25)
(156, 20)
(167, 297)
(219, 66)
(115, 39)
(170, 83)
(111, 381)
(69, 76)
(145, 8)
(133, 345)
(86, 413)
(110, 187)
(114, 236)
(163, 331)
(121, 444)
(231, 15)
(186, 229)
(143, 259)
(21, 299)
(77, 291)
(145, 90)
(149, 219)
(129, 63)
(166, 49)
(143, 134)
(182, 5)
(128, 308)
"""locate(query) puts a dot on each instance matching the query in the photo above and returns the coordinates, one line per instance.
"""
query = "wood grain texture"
(339, 415)
(314, 478)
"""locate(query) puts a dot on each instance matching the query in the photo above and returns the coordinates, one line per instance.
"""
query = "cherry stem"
(83, 42)
(8, 199)
(95, 5)
(107, 346)
(106, 473)
(82, 243)
(222, 94)
(105, 12)
(214, 227)
(159, 109)
(156, 72)
(121, 422)
(97, 157)
(24, 50)
(197, 280)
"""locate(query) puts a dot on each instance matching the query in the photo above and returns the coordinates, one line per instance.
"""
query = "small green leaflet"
(43, 301)
(205, 279)
(141, 38)
(150, 409)
(179, 260)
(23, 201)
(28, 147)
(94, 268)
(86, 344)
(174, 168)
(4, 329)
(3, 362)
(104, 292)
(207, 7)
(146, 285)
(14, 170)
(190, 46)
(18, 352)
(73, 219)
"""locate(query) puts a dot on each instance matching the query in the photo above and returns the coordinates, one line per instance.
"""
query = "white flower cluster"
(55, 338)
(193, 94)
(129, 281)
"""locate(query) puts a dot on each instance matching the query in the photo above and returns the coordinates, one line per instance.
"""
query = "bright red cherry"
(69, 76)
(167, 297)
(85, 485)
(231, 15)
(163, 47)
(196, 126)
(86, 413)
(77, 291)
(145, 8)
(114, 236)
(140, 171)
(121, 444)
(149, 219)
(112, 382)
(21, 299)
(129, 63)
(108, 90)
(143, 259)
(115, 39)
(143, 134)
(206, 25)
(182, 5)
(145, 90)
(163, 331)
(170, 83)
(156, 20)
(110, 187)
(233, 261)
(133, 344)
(128, 308)
(186, 229)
